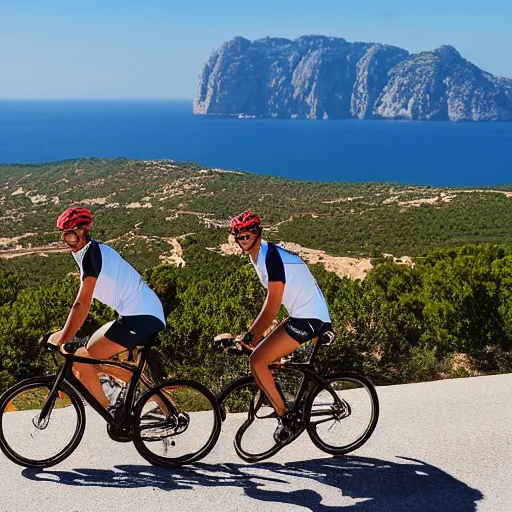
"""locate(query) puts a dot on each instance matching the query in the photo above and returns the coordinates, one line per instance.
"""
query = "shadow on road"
(365, 484)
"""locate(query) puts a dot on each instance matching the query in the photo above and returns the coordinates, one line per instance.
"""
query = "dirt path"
(176, 255)
(172, 257)
(42, 250)
(275, 227)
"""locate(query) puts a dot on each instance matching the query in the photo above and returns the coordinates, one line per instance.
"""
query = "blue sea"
(431, 153)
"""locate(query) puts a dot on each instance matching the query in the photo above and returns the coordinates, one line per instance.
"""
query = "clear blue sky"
(155, 48)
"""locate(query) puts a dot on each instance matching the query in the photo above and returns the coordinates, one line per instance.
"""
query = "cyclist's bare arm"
(269, 311)
(78, 313)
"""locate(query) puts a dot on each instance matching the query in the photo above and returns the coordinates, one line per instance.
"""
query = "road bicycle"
(339, 411)
(42, 419)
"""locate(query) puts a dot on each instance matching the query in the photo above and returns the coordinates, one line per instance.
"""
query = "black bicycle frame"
(306, 368)
(65, 374)
(308, 371)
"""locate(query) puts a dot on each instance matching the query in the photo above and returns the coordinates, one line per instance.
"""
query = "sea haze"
(424, 152)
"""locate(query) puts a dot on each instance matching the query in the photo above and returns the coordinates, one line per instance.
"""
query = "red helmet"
(74, 218)
(245, 221)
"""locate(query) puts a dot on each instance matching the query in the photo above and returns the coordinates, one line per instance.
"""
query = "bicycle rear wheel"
(176, 423)
(343, 418)
(30, 440)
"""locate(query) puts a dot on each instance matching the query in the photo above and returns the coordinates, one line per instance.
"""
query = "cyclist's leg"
(125, 333)
(115, 371)
(130, 332)
(276, 345)
(98, 347)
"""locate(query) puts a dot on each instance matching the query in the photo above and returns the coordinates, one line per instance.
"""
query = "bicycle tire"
(337, 412)
(181, 391)
(31, 385)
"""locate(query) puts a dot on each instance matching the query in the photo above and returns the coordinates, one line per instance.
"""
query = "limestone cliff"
(318, 77)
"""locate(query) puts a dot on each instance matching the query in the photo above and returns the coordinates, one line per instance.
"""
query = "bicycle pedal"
(120, 435)
(294, 435)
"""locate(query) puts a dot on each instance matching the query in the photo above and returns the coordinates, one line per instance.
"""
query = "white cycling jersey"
(302, 297)
(119, 285)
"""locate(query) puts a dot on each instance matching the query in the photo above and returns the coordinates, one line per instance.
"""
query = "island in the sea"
(319, 77)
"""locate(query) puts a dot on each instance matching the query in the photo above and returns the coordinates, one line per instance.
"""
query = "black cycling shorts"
(305, 329)
(130, 331)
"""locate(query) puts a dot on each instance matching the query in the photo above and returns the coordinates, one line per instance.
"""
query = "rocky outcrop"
(441, 85)
(372, 76)
(318, 77)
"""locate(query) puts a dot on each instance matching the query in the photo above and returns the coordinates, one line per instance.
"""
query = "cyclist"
(289, 282)
(105, 276)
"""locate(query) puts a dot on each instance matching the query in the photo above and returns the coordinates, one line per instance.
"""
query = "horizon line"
(95, 99)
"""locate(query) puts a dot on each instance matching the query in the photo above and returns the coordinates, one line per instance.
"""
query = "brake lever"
(43, 340)
(244, 351)
(72, 346)
(231, 346)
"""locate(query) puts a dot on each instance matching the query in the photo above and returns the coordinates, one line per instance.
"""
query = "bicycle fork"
(41, 420)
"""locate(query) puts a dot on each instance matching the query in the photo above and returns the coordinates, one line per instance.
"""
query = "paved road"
(439, 446)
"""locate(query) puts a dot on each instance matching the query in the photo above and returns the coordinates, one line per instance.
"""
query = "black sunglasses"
(65, 232)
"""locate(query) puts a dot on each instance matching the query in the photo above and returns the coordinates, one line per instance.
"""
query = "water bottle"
(108, 388)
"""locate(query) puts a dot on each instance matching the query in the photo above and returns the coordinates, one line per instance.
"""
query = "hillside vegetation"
(446, 313)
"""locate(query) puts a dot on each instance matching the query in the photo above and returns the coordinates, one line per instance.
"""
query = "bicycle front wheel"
(29, 439)
(252, 418)
(176, 423)
(343, 416)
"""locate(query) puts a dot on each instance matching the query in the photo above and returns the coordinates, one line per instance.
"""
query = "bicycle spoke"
(315, 423)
